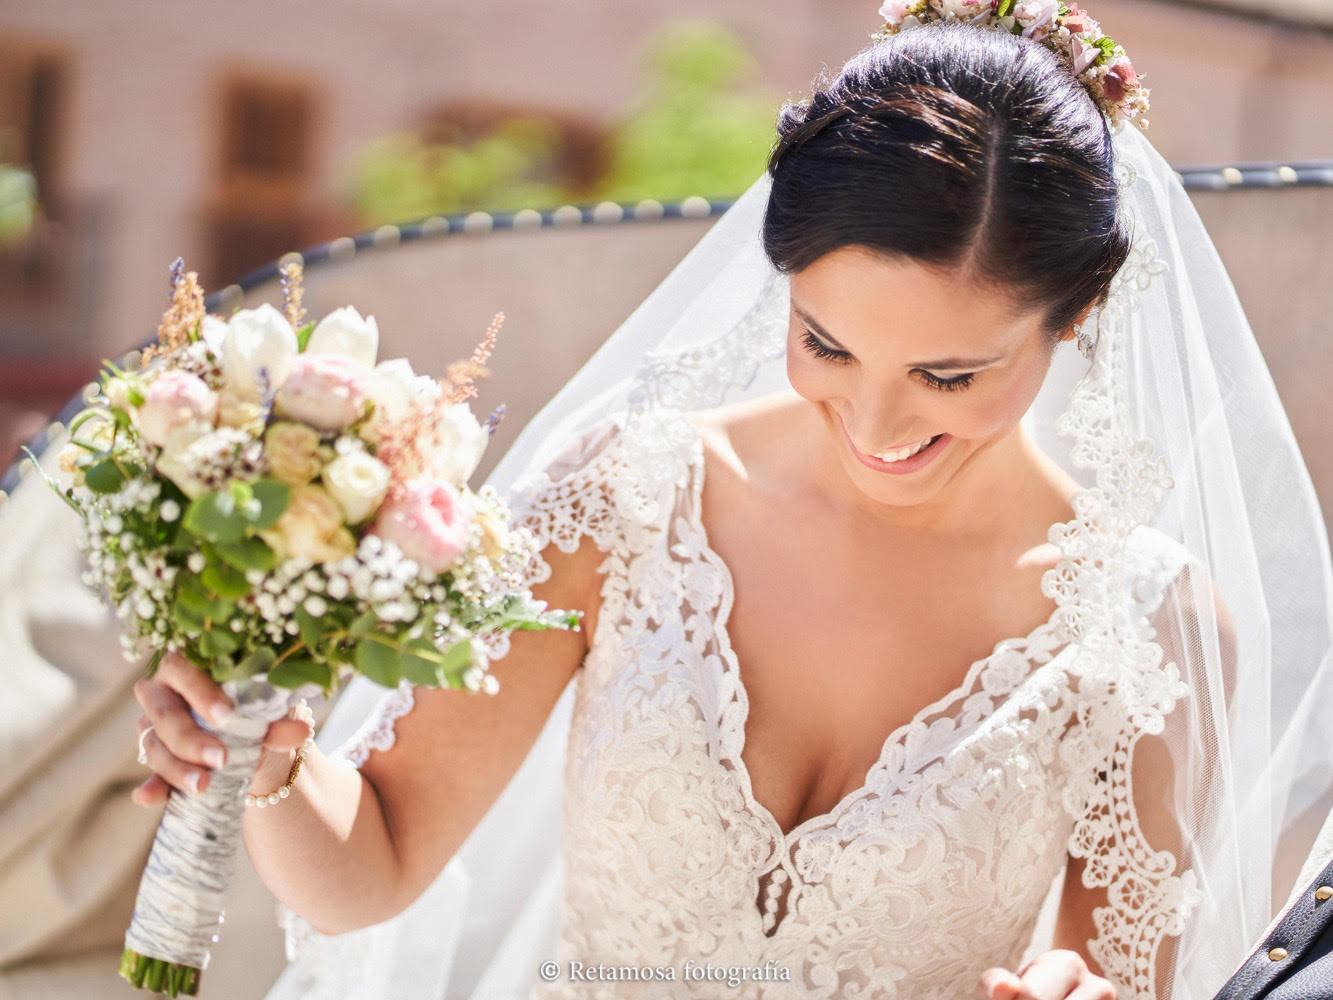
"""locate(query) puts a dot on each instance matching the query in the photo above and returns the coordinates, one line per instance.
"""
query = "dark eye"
(947, 384)
(821, 350)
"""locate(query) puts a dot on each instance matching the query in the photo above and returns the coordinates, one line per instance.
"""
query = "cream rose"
(293, 452)
(358, 481)
(311, 528)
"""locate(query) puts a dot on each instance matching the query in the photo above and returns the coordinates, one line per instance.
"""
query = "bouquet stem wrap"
(179, 904)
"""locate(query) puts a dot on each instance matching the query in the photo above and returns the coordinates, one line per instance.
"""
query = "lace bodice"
(933, 870)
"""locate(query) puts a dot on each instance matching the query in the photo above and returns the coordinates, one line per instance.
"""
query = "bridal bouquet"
(265, 499)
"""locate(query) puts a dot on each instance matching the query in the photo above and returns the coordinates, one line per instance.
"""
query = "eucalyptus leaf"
(225, 580)
(379, 661)
(248, 553)
(273, 496)
(311, 630)
(218, 641)
(214, 516)
(297, 670)
(104, 476)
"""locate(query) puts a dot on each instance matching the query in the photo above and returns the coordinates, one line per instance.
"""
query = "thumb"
(998, 984)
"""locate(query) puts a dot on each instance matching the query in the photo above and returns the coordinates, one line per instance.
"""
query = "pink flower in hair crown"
(1096, 60)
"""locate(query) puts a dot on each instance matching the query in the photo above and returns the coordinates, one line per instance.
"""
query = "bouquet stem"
(179, 903)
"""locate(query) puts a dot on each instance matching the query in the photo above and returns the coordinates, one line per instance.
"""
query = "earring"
(1086, 333)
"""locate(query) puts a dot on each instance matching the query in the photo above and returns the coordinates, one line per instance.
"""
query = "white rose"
(464, 442)
(258, 339)
(358, 481)
(345, 332)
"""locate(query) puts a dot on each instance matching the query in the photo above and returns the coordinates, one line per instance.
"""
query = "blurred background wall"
(135, 132)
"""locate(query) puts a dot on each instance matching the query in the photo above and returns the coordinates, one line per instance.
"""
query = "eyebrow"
(946, 364)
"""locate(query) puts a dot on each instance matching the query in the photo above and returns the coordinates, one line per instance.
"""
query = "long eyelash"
(948, 384)
(822, 350)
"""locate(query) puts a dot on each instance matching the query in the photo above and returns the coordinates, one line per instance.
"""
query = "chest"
(841, 638)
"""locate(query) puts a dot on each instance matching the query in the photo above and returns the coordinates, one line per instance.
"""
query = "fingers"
(152, 792)
(1094, 989)
(167, 766)
(175, 728)
(998, 984)
(202, 693)
(1053, 974)
(286, 734)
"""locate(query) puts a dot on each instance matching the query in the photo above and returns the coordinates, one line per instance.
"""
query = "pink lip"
(921, 459)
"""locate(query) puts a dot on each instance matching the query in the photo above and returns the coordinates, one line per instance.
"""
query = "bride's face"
(893, 354)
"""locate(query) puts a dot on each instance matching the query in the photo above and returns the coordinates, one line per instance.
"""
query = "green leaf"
(248, 553)
(257, 661)
(297, 670)
(303, 336)
(273, 496)
(1004, 8)
(455, 661)
(311, 630)
(378, 661)
(363, 625)
(422, 663)
(186, 617)
(104, 476)
(218, 641)
(225, 580)
(214, 516)
(1107, 45)
(193, 594)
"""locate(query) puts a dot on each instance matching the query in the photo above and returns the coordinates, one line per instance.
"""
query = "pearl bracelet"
(303, 713)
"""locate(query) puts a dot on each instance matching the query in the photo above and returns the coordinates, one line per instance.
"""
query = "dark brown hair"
(956, 146)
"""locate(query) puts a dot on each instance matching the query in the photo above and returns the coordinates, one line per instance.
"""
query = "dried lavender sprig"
(493, 421)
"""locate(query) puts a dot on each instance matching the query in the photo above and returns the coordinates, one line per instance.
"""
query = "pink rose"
(174, 400)
(427, 520)
(327, 391)
(1119, 79)
(1080, 22)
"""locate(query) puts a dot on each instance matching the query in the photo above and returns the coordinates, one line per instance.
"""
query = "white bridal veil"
(1173, 422)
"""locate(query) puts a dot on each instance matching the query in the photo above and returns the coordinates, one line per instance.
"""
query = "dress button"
(1277, 954)
(1323, 892)
(774, 888)
(779, 875)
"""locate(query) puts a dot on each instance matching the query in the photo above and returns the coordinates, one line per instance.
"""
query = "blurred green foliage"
(18, 204)
(696, 128)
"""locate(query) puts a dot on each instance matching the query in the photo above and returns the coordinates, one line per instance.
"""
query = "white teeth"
(898, 454)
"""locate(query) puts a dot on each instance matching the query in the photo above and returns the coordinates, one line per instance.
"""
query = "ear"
(1071, 331)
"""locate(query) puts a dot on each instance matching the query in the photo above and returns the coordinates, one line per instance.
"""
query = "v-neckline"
(721, 620)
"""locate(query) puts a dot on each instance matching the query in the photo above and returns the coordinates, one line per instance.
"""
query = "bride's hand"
(1053, 975)
(178, 749)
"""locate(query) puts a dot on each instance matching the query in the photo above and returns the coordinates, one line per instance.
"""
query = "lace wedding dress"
(630, 839)
(933, 870)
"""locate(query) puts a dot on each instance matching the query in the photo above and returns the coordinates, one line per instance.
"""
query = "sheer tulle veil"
(1171, 421)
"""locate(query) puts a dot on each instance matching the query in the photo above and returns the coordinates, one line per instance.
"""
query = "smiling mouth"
(898, 454)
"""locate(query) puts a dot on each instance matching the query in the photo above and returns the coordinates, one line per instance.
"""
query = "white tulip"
(345, 332)
(258, 339)
(358, 482)
(464, 442)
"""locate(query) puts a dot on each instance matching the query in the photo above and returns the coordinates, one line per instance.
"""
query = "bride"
(881, 689)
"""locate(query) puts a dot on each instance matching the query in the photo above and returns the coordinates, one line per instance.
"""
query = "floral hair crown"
(1097, 61)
